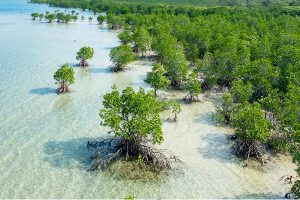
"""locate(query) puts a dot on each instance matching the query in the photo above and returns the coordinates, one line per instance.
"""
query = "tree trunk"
(84, 63)
(63, 88)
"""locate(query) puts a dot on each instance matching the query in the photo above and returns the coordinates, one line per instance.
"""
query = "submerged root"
(133, 170)
(110, 150)
(247, 148)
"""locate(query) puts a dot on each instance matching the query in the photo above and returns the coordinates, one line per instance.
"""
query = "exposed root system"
(191, 98)
(111, 150)
(64, 88)
(173, 119)
(287, 179)
(116, 68)
(247, 148)
(83, 63)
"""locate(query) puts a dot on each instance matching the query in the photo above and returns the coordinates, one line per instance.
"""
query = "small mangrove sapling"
(84, 54)
(35, 15)
(101, 19)
(64, 76)
(157, 79)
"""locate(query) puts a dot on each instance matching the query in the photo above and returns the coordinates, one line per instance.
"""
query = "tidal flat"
(42, 133)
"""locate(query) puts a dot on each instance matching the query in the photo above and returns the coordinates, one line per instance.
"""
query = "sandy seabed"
(42, 133)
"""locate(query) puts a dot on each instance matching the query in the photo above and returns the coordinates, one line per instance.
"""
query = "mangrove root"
(63, 88)
(247, 148)
(287, 179)
(191, 98)
(83, 63)
(111, 150)
(173, 119)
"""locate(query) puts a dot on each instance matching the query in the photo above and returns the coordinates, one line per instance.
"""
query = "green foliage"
(41, 16)
(101, 19)
(296, 159)
(74, 18)
(252, 50)
(142, 40)
(225, 112)
(171, 55)
(129, 197)
(125, 37)
(296, 189)
(250, 123)
(132, 115)
(241, 92)
(156, 78)
(60, 16)
(116, 22)
(64, 76)
(193, 85)
(272, 102)
(35, 15)
(261, 74)
(121, 56)
(100, 5)
(84, 54)
(67, 18)
(173, 106)
(50, 17)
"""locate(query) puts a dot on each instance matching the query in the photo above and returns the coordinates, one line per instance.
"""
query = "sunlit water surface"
(42, 133)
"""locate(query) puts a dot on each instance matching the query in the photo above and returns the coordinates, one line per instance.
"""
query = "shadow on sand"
(218, 147)
(258, 196)
(43, 91)
(205, 118)
(68, 154)
(100, 70)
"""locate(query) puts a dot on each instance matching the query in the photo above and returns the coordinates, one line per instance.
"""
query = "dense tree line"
(87, 4)
(60, 17)
(254, 53)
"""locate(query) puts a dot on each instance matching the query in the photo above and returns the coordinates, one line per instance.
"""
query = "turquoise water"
(42, 133)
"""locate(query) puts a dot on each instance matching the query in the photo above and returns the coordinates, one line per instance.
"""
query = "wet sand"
(42, 133)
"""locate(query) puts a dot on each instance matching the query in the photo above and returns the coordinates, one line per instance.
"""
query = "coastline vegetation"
(250, 53)
(59, 17)
(85, 54)
(64, 76)
(120, 56)
(135, 125)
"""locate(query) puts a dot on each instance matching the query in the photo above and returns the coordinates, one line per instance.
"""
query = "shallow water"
(42, 133)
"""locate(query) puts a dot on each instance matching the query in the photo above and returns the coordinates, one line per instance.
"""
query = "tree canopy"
(125, 37)
(132, 115)
(35, 15)
(84, 54)
(252, 52)
(157, 79)
(64, 76)
(101, 19)
(121, 56)
(250, 123)
(193, 86)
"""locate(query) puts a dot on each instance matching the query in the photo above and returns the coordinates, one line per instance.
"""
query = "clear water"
(41, 133)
